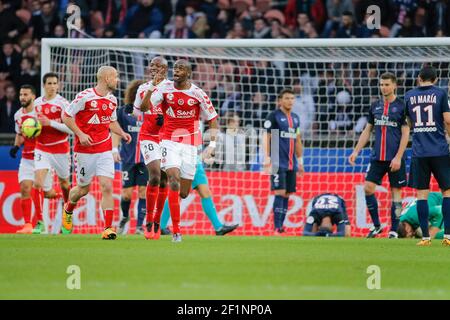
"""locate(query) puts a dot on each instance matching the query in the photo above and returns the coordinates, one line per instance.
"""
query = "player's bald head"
(183, 63)
(159, 60)
(105, 71)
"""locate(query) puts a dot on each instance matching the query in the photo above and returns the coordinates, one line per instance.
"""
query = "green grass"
(34, 267)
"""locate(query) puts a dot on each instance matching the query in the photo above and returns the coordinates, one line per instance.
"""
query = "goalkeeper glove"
(13, 151)
(160, 120)
(129, 108)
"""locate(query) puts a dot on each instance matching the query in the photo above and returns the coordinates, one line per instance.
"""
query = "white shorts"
(179, 155)
(89, 165)
(150, 150)
(58, 161)
(26, 172)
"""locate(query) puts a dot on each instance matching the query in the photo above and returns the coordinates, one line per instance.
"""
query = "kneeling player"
(328, 209)
(409, 226)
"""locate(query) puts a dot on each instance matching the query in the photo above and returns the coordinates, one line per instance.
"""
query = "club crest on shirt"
(53, 109)
(104, 106)
(180, 102)
(170, 96)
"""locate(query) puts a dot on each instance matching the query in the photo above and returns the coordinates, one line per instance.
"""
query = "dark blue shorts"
(422, 168)
(378, 169)
(137, 175)
(284, 180)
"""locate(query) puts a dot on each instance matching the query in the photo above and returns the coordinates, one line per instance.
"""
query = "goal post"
(334, 80)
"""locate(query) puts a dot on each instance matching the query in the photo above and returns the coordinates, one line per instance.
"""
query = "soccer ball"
(31, 128)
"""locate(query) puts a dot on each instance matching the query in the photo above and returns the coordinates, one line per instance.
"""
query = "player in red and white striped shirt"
(52, 145)
(26, 167)
(156, 193)
(92, 117)
(182, 103)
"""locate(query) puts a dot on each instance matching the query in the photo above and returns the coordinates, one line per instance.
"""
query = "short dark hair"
(401, 230)
(29, 87)
(284, 91)
(389, 76)
(49, 75)
(428, 73)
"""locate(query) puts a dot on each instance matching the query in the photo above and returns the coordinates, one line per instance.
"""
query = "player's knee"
(37, 184)
(142, 193)
(174, 184)
(64, 184)
(369, 190)
(154, 180)
(126, 194)
(25, 191)
(107, 188)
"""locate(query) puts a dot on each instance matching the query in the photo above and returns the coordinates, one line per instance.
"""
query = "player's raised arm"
(362, 141)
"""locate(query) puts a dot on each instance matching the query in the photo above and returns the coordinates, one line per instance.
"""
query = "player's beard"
(26, 104)
(111, 88)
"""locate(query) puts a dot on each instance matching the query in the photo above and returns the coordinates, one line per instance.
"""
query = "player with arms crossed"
(52, 145)
(387, 118)
(281, 140)
(149, 142)
(181, 103)
(429, 116)
(27, 95)
(328, 209)
(91, 116)
(134, 172)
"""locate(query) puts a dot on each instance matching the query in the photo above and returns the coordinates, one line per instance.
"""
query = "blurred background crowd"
(330, 97)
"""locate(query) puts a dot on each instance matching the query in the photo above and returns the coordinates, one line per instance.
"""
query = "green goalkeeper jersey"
(435, 217)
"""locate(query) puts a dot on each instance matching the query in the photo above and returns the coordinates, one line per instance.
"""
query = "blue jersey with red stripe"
(283, 129)
(387, 119)
(130, 153)
(425, 107)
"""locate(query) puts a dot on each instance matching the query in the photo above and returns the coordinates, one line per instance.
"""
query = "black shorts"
(284, 180)
(378, 169)
(422, 168)
(137, 175)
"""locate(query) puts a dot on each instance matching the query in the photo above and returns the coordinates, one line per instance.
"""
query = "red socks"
(65, 194)
(37, 195)
(151, 196)
(70, 206)
(162, 195)
(108, 217)
(174, 205)
(26, 209)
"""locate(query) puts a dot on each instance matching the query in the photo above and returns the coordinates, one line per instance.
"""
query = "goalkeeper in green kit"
(409, 226)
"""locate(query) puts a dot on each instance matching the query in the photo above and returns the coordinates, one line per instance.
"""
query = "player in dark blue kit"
(429, 117)
(283, 154)
(387, 118)
(328, 209)
(134, 171)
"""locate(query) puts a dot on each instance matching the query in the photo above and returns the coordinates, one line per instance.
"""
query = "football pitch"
(231, 267)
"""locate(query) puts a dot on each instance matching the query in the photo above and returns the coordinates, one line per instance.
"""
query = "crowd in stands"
(333, 98)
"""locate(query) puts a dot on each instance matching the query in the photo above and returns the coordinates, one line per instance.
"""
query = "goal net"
(335, 82)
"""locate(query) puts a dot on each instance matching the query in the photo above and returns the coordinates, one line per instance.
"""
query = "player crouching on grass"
(409, 226)
(328, 209)
(92, 116)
